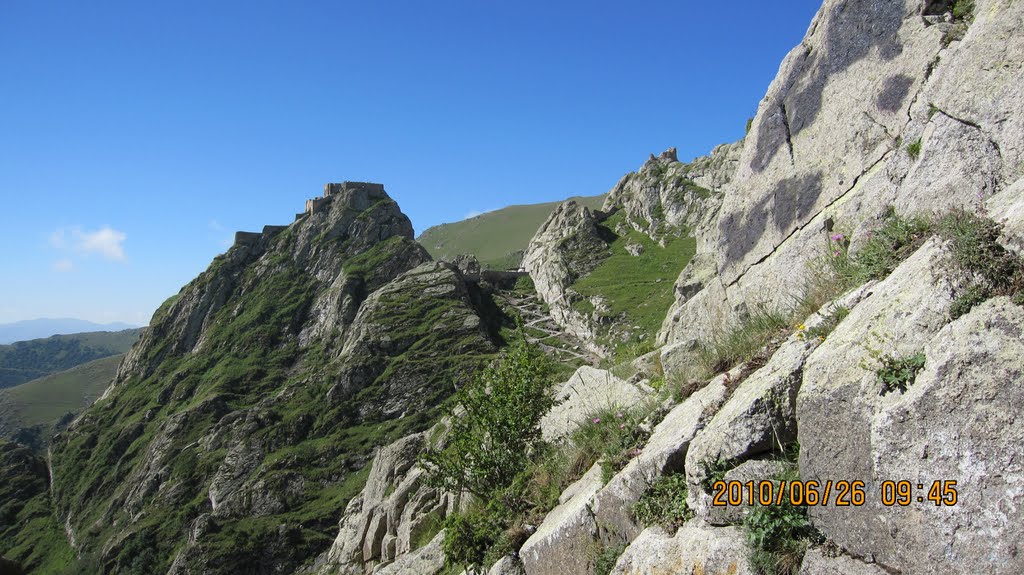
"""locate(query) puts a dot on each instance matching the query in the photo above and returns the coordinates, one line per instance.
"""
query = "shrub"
(664, 503)
(714, 471)
(966, 301)
(897, 372)
(883, 250)
(606, 558)
(468, 536)
(495, 425)
(980, 260)
(778, 535)
(963, 10)
(914, 149)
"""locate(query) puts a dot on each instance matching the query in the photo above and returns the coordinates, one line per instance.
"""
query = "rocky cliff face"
(893, 107)
(663, 201)
(244, 432)
(244, 420)
(879, 106)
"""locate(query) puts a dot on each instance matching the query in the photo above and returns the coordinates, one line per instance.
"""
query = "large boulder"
(587, 391)
(564, 542)
(694, 548)
(954, 422)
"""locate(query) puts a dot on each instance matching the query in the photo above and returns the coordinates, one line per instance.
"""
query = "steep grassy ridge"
(240, 426)
(496, 238)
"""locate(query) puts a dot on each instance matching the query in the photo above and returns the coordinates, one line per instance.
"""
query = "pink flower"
(596, 420)
(837, 237)
(622, 426)
(836, 253)
(619, 415)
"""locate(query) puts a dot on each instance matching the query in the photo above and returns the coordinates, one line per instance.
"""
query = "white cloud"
(106, 242)
(64, 265)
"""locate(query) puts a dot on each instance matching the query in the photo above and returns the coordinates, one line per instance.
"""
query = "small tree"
(495, 425)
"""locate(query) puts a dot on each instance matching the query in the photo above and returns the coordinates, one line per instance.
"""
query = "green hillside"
(27, 360)
(40, 403)
(496, 238)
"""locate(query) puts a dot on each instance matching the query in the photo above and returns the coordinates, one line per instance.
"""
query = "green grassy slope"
(45, 400)
(496, 238)
(636, 289)
(27, 360)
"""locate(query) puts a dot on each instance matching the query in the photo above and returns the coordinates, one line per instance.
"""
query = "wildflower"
(622, 426)
(801, 327)
(837, 237)
(836, 253)
(596, 420)
(619, 415)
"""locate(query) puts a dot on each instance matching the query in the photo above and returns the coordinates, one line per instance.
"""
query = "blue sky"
(135, 138)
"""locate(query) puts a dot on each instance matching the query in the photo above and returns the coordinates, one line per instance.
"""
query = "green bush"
(980, 260)
(963, 10)
(743, 341)
(664, 503)
(778, 535)
(469, 535)
(495, 427)
(606, 558)
(897, 372)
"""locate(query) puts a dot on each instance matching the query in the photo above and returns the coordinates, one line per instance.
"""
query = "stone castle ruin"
(313, 206)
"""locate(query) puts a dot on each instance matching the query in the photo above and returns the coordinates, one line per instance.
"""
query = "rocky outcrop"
(567, 246)
(588, 391)
(382, 525)
(918, 141)
(692, 549)
(974, 364)
(564, 543)
(665, 196)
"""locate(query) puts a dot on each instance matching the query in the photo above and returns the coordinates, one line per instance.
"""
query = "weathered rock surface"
(694, 548)
(816, 562)
(662, 196)
(379, 524)
(426, 560)
(564, 542)
(587, 391)
(955, 422)
(788, 183)
(567, 246)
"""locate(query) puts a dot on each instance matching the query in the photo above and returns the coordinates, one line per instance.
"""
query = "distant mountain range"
(45, 327)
